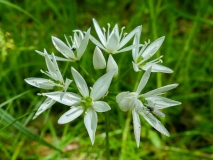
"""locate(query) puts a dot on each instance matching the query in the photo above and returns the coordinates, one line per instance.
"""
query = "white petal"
(112, 65)
(116, 30)
(138, 105)
(100, 106)
(64, 59)
(136, 42)
(63, 48)
(126, 104)
(135, 67)
(70, 115)
(77, 39)
(50, 66)
(126, 100)
(154, 122)
(156, 68)
(97, 43)
(80, 83)
(56, 57)
(137, 126)
(152, 48)
(99, 61)
(144, 80)
(112, 43)
(126, 39)
(81, 49)
(152, 108)
(44, 106)
(159, 113)
(40, 83)
(66, 98)
(161, 102)
(121, 96)
(160, 90)
(90, 121)
(56, 69)
(125, 49)
(67, 83)
(101, 86)
(41, 53)
(99, 32)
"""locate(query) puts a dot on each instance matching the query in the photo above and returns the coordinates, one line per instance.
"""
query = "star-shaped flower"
(88, 102)
(141, 56)
(146, 104)
(56, 82)
(112, 42)
(71, 53)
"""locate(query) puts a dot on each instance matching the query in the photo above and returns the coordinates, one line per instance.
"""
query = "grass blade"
(9, 119)
(19, 9)
(12, 121)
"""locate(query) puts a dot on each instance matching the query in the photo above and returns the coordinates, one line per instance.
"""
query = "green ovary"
(86, 102)
(138, 61)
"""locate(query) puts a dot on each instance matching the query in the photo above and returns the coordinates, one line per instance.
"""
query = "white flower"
(57, 81)
(141, 56)
(112, 42)
(79, 44)
(146, 104)
(87, 102)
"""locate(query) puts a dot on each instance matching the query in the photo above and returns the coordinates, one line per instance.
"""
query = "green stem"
(125, 135)
(121, 76)
(85, 71)
(154, 29)
(127, 124)
(107, 135)
(66, 68)
(18, 149)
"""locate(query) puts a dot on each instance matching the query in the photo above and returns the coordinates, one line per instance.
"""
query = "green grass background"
(28, 25)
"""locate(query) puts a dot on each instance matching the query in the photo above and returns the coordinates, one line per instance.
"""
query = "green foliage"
(187, 49)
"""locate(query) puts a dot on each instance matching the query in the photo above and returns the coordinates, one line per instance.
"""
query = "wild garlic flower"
(71, 53)
(140, 57)
(87, 102)
(112, 41)
(56, 82)
(146, 104)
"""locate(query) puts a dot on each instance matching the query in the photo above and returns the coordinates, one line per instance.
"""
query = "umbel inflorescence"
(90, 100)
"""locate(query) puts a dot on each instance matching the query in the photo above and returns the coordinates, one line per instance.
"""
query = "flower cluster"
(90, 100)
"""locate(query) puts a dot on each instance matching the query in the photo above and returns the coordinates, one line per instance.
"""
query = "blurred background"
(26, 26)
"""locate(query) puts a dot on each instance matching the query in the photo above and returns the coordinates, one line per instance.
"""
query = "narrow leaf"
(16, 124)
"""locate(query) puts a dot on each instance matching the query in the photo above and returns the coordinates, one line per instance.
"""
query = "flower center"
(86, 102)
(139, 60)
(58, 88)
